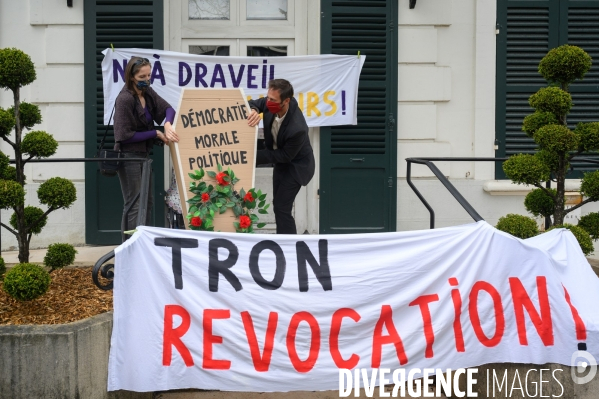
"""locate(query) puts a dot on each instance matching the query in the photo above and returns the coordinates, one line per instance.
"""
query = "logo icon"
(584, 367)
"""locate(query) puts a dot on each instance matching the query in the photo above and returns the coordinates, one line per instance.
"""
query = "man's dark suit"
(293, 160)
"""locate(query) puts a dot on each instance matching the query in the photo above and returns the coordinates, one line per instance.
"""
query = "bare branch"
(586, 201)
(27, 160)
(9, 142)
(8, 228)
(30, 227)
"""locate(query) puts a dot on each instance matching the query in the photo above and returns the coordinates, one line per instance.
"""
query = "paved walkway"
(86, 256)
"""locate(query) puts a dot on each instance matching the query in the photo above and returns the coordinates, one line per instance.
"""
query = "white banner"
(268, 313)
(325, 86)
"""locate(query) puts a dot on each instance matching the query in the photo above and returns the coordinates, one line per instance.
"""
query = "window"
(209, 9)
(209, 50)
(266, 9)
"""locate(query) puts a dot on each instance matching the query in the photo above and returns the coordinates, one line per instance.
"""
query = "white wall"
(52, 34)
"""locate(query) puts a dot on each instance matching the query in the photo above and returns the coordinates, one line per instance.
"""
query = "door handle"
(357, 159)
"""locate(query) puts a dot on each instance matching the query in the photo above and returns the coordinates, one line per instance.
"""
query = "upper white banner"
(325, 86)
(251, 312)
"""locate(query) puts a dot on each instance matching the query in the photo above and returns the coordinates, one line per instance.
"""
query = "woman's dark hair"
(133, 66)
(283, 86)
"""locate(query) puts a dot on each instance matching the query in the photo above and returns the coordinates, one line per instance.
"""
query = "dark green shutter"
(124, 23)
(358, 163)
(582, 21)
(527, 30)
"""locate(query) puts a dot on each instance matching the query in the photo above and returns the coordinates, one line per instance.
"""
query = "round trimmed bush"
(16, 69)
(29, 114)
(565, 64)
(539, 203)
(582, 236)
(10, 173)
(57, 192)
(11, 194)
(551, 99)
(551, 159)
(526, 169)
(26, 281)
(590, 223)
(39, 144)
(2, 268)
(537, 120)
(588, 134)
(517, 225)
(589, 186)
(32, 213)
(7, 122)
(557, 138)
(59, 255)
(4, 161)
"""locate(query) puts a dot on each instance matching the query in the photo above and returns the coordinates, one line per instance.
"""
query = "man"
(287, 147)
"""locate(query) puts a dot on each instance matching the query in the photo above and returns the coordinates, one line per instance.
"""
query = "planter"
(58, 361)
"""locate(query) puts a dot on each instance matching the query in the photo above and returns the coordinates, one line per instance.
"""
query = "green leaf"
(218, 204)
(262, 211)
(230, 204)
(242, 193)
(193, 176)
(197, 213)
(212, 212)
(222, 210)
(261, 225)
(193, 209)
(219, 167)
(212, 174)
(266, 206)
(261, 204)
(262, 197)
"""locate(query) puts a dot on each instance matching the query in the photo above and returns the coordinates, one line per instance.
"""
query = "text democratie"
(223, 267)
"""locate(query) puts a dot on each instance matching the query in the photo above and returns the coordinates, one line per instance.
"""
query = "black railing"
(450, 187)
(100, 268)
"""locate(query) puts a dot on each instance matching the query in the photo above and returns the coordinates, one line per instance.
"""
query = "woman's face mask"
(143, 84)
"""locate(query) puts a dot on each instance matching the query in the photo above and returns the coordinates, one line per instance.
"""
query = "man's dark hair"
(283, 86)
(133, 66)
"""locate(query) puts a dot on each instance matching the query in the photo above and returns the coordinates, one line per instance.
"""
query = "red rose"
(244, 221)
(248, 197)
(205, 197)
(196, 221)
(220, 178)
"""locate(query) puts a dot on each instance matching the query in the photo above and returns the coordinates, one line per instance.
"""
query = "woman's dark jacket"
(130, 117)
(293, 144)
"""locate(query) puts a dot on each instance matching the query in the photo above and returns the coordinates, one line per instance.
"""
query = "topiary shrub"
(39, 144)
(559, 146)
(2, 268)
(526, 169)
(589, 135)
(59, 255)
(517, 225)
(537, 120)
(16, 71)
(33, 214)
(582, 236)
(26, 281)
(57, 192)
(11, 194)
(565, 64)
(589, 186)
(557, 139)
(590, 222)
(551, 99)
(540, 203)
(7, 122)
(30, 114)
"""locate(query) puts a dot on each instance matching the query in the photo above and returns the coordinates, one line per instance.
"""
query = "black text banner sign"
(253, 312)
(212, 128)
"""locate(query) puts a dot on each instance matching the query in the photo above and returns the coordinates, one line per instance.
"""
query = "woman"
(137, 107)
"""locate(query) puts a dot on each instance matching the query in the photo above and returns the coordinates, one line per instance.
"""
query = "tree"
(558, 145)
(16, 71)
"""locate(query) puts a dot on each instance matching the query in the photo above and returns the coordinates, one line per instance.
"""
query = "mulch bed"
(72, 296)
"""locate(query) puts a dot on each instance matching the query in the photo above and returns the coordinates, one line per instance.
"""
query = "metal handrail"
(106, 270)
(450, 187)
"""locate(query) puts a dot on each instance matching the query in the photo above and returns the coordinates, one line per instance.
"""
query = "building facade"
(442, 78)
